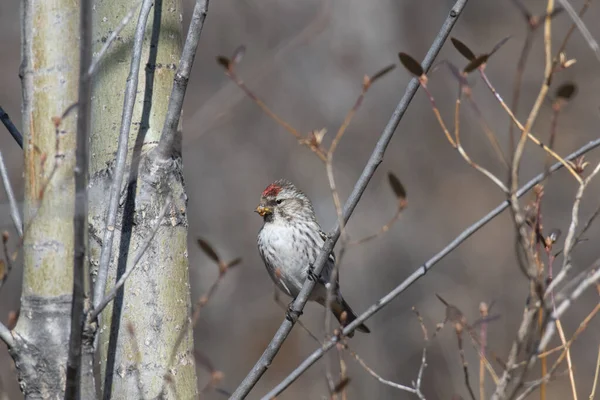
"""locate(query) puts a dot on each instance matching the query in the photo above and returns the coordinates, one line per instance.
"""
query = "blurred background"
(307, 60)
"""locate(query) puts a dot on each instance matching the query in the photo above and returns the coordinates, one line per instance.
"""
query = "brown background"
(307, 59)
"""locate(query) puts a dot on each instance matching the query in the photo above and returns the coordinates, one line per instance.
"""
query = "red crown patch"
(272, 190)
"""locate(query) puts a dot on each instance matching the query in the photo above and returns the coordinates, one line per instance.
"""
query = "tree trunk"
(139, 330)
(49, 74)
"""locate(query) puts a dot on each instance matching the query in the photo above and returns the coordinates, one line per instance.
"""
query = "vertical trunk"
(49, 73)
(156, 301)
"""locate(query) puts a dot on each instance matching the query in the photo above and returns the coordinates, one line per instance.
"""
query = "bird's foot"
(311, 273)
(291, 314)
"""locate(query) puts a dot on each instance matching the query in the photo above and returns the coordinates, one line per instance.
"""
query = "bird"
(290, 241)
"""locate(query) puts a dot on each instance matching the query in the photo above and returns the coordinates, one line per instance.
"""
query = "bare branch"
(113, 292)
(582, 28)
(121, 158)
(113, 36)
(378, 377)
(565, 350)
(12, 129)
(422, 270)
(80, 219)
(565, 304)
(570, 240)
(593, 392)
(360, 186)
(14, 209)
(6, 336)
(182, 77)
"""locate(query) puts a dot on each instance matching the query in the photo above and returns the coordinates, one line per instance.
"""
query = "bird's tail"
(339, 306)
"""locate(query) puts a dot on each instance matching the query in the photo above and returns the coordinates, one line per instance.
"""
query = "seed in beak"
(262, 211)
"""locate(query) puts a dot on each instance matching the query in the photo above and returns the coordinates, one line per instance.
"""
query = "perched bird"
(290, 241)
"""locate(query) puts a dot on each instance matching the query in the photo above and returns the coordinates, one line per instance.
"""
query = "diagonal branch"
(6, 336)
(14, 209)
(12, 129)
(422, 270)
(581, 26)
(113, 292)
(376, 158)
(121, 159)
(564, 305)
(182, 77)
(111, 39)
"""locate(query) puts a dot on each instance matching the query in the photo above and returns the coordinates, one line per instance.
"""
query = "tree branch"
(6, 336)
(113, 292)
(80, 219)
(113, 36)
(121, 159)
(560, 310)
(422, 270)
(581, 26)
(12, 129)
(360, 186)
(14, 209)
(570, 240)
(182, 77)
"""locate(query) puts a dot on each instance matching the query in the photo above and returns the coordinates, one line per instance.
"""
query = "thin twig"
(527, 260)
(582, 326)
(80, 218)
(582, 28)
(570, 239)
(587, 225)
(314, 146)
(378, 377)
(565, 304)
(417, 384)
(572, 28)
(456, 141)
(376, 158)
(5, 266)
(383, 229)
(6, 336)
(338, 204)
(517, 83)
(563, 340)
(530, 135)
(421, 271)
(484, 311)
(593, 392)
(113, 36)
(122, 149)
(490, 134)
(283, 306)
(14, 209)
(181, 79)
(12, 129)
(113, 292)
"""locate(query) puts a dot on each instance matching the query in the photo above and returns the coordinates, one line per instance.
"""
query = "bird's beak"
(262, 210)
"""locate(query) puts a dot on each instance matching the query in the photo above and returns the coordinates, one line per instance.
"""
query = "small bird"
(290, 241)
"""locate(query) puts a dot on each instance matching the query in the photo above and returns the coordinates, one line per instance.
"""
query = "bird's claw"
(291, 314)
(311, 273)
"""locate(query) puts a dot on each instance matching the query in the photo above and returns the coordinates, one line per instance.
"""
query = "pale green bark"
(49, 71)
(156, 300)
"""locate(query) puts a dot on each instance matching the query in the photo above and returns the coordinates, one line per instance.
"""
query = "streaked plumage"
(290, 241)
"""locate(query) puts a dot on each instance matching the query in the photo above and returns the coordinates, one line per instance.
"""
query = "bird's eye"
(279, 201)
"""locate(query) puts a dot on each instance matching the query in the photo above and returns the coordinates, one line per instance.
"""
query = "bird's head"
(281, 200)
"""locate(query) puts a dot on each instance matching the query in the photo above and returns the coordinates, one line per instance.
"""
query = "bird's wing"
(328, 269)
